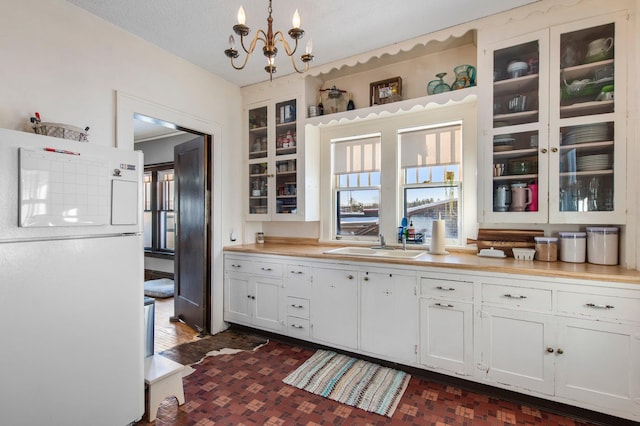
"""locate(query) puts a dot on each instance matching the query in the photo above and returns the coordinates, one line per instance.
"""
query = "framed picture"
(385, 91)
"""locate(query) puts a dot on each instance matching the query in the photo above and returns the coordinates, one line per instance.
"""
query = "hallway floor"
(168, 334)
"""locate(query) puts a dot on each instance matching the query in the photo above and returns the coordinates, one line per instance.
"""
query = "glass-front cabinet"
(588, 123)
(273, 161)
(517, 130)
(554, 141)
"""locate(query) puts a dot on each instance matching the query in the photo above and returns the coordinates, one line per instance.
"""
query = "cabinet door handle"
(559, 351)
(297, 272)
(593, 305)
(509, 296)
(267, 269)
(251, 297)
(233, 265)
(350, 277)
(442, 305)
(445, 288)
(550, 350)
(543, 150)
(297, 306)
(296, 326)
(554, 149)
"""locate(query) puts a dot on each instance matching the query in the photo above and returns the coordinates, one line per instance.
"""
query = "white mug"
(599, 46)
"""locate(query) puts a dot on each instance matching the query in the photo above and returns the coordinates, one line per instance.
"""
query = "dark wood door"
(193, 254)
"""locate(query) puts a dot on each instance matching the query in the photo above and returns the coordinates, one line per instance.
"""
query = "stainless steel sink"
(370, 252)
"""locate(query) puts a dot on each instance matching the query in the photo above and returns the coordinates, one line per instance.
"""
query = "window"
(431, 167)
(376, 171)
(356, 175)
(159, 216)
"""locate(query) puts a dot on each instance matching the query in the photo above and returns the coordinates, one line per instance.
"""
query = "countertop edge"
(466, 261)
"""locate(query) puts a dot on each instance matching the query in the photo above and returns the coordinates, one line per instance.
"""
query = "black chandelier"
(270, 40)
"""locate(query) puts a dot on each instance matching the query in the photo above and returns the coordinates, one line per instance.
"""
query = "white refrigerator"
(71, 282)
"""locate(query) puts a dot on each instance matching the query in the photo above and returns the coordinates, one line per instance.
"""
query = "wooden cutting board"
(505, 239)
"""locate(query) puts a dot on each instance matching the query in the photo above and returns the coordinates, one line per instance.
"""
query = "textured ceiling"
(198, 30)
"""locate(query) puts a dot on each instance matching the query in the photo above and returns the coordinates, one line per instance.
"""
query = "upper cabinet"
(278, 187)
(552, 135)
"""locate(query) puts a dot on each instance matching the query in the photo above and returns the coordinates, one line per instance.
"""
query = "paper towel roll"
(437, 237)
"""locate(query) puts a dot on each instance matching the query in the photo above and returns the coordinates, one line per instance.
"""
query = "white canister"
(573, 246)
(602, 245)
(260, 237)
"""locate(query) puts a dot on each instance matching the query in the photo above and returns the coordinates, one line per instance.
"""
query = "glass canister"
(546, 249)
(573, 246)
(602, 245)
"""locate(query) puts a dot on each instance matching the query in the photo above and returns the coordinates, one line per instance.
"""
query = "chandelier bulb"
(296, 19)
(232, 42)
(309, 47)
(241, 16)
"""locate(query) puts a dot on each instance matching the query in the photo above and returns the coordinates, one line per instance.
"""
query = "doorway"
(165, 192)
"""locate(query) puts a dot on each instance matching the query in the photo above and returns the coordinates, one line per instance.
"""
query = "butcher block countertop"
(467, 260)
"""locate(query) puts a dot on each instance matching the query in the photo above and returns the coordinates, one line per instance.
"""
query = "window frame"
(156, 211)
(458, 183)
(391, 203)
(336, 188)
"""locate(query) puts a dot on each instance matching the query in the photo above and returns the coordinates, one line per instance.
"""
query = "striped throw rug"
(351, 381)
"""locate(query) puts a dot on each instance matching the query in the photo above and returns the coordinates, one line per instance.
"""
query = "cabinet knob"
(248, 296)
(559, 351)
(350, 277)
(554, 149)
(366, 278)
(543, 150)
(550, 350)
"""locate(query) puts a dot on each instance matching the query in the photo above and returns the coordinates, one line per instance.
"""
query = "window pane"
(167, 230)
(146, 227)
(358, 212)
(424, 205)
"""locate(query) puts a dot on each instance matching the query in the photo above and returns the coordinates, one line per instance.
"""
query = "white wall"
(68, 65)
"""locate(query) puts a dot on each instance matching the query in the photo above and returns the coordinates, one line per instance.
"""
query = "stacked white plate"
(594, 162)
(587, 133)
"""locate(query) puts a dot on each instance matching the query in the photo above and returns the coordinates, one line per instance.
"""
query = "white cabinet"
(598, 363)
(282, 169)
(334, 316)
(388, 313)
(446, 324)
(585, 351)
(254, 296)
(298, 299)
(514, 349)
(552, 135)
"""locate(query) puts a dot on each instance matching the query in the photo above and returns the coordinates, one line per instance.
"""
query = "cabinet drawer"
(298, 272)
(270, 269)
(298, 327)
(521, 297)
(298, 307)
(450, 289)
(232, 264)
(599, 306)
